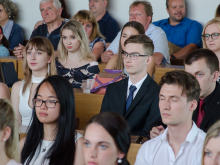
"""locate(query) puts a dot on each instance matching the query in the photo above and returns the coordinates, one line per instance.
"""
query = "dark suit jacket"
(213, 113)
(143, 110)
(211, 116)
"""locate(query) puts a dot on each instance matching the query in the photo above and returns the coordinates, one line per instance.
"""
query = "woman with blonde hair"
(38, 63)
(211, 148)
(97, 40)
(9, 154)
(75, 62)
(210, 37)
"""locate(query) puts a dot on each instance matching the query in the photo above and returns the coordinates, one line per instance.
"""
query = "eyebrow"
(48, 96)
(170, 96)
(98, 142)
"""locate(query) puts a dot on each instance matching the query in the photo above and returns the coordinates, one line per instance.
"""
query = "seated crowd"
(180, 116)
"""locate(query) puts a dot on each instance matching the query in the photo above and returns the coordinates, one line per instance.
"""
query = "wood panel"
(132, 153)
(10, 59)
(162, 69)
(20, 69)
(87, 106)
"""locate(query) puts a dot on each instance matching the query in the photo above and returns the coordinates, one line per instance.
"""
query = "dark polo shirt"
(108, 27)
(54, 36)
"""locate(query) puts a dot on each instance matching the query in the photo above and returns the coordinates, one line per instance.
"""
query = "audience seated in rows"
(51, 13)
(39, 62)
(12, 31)
(52, 133)
(129, 29)
(135, 98)
(96, 39)
(76, 63)
(107, 25)
(204, 65)
(210, 37)
(211, 149)
(217, 13)
(182, 141)
(65, 16)
(180, 30)
(4, 44)
(107, 142)
(8, 134)
(141, 11)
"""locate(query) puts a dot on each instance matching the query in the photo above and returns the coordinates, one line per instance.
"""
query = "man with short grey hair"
(107, 25)
(51, 13)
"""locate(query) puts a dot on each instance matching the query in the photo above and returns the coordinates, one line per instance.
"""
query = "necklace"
(37, 80)
(45, 147)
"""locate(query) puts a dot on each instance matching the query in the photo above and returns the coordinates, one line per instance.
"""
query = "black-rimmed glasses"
(48, 103)
(133, 56)
(214, 36)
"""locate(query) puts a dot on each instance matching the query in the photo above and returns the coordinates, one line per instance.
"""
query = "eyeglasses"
(48, 103)
(214, 36)
(133, 56)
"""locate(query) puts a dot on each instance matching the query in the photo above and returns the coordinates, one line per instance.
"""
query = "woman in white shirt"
(107, 140)
(38, 63)
(52, 138)
(9, 152)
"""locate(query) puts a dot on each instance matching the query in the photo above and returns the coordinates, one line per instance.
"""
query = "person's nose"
(93, 152)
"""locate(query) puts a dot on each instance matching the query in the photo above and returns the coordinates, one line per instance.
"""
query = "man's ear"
(60, 11)
(215, 76)
(149, 19)
(105, 3)
(149, 59)
(193, 105)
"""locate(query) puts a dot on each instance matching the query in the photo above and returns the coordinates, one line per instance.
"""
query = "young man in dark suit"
(204, 65)
(135, 98)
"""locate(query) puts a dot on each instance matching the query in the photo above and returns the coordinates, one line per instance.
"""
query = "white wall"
(29, 14)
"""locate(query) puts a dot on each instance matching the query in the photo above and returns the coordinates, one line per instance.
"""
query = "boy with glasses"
(135, 98)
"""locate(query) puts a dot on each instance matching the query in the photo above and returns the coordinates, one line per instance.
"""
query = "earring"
(48, 69)
(119, 160)
(9, 16)
(4, 140)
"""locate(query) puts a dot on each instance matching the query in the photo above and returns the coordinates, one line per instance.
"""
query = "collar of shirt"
(138, 86)
(191, 136)
(105, 17)
(166, 21)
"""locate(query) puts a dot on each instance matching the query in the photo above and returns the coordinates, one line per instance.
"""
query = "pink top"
(12, 162)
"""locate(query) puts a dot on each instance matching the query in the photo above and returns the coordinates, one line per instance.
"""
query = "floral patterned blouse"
(98, 39)
(76, 75)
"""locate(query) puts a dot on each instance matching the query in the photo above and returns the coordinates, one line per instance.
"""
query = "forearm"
(151, 67)
(182, 53)
(158, 57)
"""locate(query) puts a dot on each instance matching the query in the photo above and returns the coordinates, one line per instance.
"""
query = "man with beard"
(183, 34)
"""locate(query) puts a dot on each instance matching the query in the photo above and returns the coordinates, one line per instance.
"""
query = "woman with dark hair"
(129, 29)
(12, 31)
(64, 15)
(52, 136)
(107, 140)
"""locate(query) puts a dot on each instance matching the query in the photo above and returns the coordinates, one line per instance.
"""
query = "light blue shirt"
(4, 51)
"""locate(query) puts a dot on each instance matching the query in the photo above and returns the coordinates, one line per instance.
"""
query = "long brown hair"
(43, 44)
(140, 28)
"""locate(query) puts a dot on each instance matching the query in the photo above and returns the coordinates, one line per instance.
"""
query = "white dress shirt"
(158, 151)
(156, 34)
(138, 86)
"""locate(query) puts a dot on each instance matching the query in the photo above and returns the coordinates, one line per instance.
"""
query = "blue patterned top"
(4, 51)
(98, 39)
(76, 75)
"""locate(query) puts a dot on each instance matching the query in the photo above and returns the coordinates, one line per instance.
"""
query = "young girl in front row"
(52, 136)
(9, 152)
(76, 62)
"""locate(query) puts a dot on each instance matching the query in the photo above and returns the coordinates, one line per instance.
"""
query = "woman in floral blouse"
(76, 63)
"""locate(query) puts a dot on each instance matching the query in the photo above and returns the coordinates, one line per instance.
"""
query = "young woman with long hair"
(9, 151)
(52, 135)
(129, 29)
(76, 63)
(38, 63)
(107, 140)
